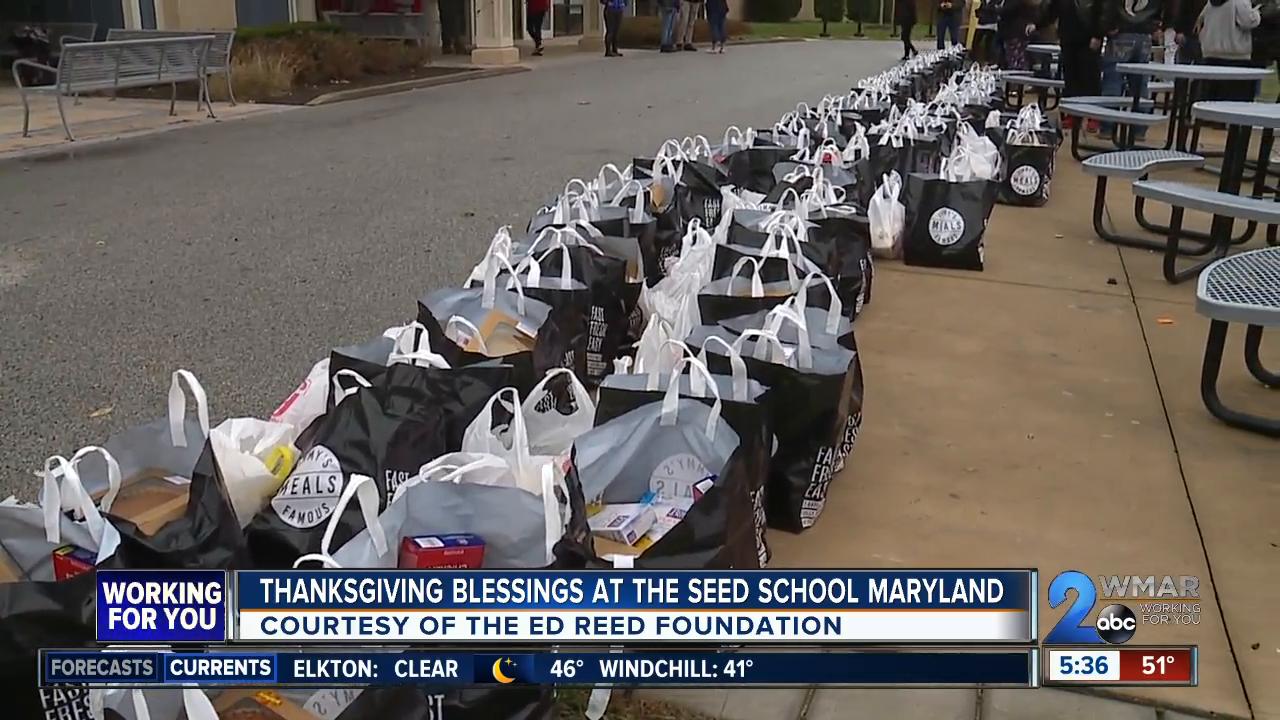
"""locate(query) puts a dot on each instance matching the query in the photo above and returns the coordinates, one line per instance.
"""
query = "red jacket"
(539, 6)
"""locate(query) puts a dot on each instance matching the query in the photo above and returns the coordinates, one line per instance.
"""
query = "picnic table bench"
(1243, 288)
(218, 61)
(99, 66)
(1124, 123)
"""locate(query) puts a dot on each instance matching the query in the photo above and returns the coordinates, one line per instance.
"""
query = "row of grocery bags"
(657, 371)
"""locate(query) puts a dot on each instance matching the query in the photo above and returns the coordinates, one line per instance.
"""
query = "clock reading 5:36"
(1083, 664)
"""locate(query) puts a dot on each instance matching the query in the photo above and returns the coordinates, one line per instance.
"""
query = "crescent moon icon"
(498, 674)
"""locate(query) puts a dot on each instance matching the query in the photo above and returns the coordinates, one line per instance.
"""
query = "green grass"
(1270, 88)
(572, 703)
(813, 29)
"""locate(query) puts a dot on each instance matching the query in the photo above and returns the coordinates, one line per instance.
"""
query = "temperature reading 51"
(565, 668)
(1156, 664)
(737, 668)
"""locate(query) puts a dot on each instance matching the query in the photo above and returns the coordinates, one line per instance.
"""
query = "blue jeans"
(1121, 48)
(948, 22)
(716, 22)
(668, 15)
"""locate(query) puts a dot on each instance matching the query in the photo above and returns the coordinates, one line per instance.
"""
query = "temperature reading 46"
(565, 668)
(737, 668)
(1157, 664)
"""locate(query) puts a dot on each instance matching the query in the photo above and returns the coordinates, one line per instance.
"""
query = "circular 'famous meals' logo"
(1025, 180)
(946, 226)
(311, 493)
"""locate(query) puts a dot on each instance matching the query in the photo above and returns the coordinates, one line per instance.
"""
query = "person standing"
(667, 11)
(984, 38)
(612, 25)
(717, 15)
(535, 13)
(689, 10)
(452, 27)
(949, 14)
(1080, 39)
(904, 16)
(1017, 23)
(1225, 29)
(1128, 26)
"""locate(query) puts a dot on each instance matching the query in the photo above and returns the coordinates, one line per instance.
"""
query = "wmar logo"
(1115, 624)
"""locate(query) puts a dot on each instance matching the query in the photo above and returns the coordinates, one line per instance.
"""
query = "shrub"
(257, 74)
(389, 57)
(646, 31)
(285, 30)
(861, 11)
(771, 10)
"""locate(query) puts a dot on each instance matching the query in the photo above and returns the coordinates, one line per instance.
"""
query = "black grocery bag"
(386, 431)
(814, 402)
(946, 221)
(1028, 172)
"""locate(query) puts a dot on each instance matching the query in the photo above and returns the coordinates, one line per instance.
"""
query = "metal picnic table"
(1183, 76)
(1048, 52)
(1241, 118)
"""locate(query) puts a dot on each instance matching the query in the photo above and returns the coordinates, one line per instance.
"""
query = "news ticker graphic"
(1121, 666)
(604, 606)
(337, 668)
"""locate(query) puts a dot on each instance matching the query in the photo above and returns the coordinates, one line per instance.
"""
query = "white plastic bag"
(255, 458)
(887, 219)
(974, 157)
(550, 431)
(307, 401)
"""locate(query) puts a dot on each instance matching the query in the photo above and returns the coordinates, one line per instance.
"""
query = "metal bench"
(1184, 196)
(1111, 101)
(60, 33)
(1132, 165)
(219, 59)
(99, 66)
(383, 26)
(1051, 89)
(1243, 288)
(1123, 124)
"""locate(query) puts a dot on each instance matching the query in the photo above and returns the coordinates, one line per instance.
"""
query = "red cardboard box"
(72, 560)
(461, 551)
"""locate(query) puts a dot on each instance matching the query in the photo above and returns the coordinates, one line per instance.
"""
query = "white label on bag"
(815, 498)
(675, 477)
(1025, 180)
(311, 493)
(330, 703)
(946, 226)
(761, 522)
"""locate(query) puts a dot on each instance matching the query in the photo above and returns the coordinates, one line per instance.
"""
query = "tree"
(828, 11)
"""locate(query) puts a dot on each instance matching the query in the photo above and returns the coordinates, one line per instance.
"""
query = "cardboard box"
(460, 551)
(623, 523)
(257, 705)
(152, 499)
(72, 560)
(9, 571)
(608, 548)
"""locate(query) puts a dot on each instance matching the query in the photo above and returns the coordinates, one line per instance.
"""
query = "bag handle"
(532, 267)
(576, 187)
(835, 309)
(489, 295)
(114, 478)
(341, 393)
(623, 176)
(519, 433)
(671, 400)
(655, 372)
(178, 406)
(55, 494)
(457, 321)
(788, 313)
(732, 137)
(757, 287)
(737, 366)
(765, 340)
(420, 351)
(500, 245)
(362, 488)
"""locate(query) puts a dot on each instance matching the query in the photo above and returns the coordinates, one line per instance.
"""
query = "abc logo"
(1116, 624)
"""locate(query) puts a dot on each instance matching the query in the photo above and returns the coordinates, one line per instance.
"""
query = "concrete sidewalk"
(1045, 413)
(100, 119)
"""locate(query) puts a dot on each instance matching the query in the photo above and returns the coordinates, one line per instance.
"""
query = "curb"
(403, 85)
(67, 150)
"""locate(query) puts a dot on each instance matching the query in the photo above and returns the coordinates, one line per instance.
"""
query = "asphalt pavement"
(244, 251)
